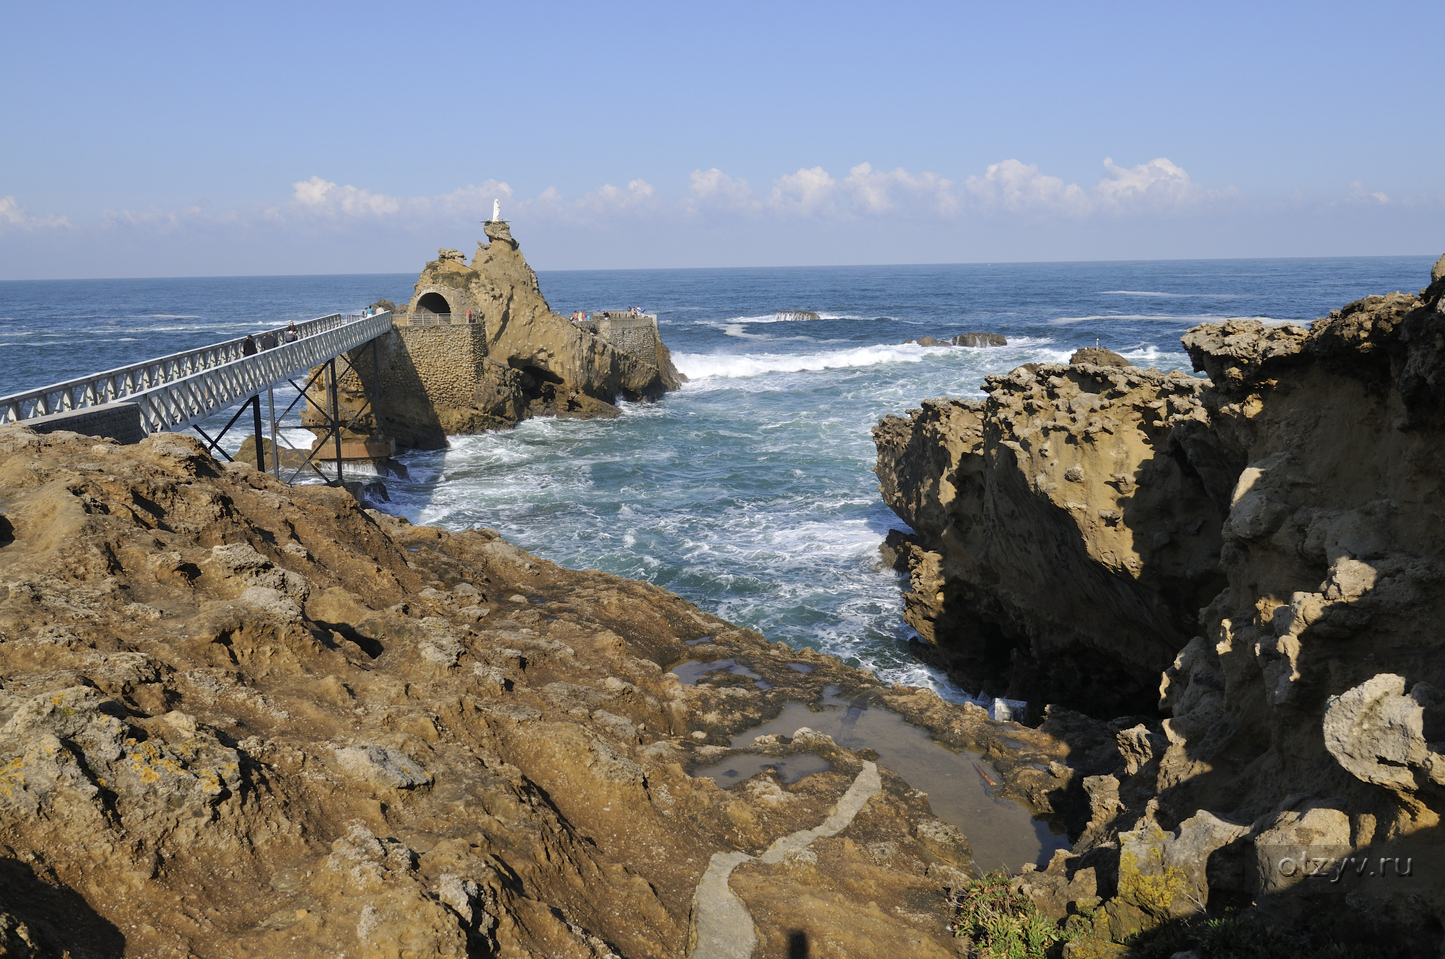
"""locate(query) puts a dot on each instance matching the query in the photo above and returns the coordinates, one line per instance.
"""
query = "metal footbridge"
(176, 392)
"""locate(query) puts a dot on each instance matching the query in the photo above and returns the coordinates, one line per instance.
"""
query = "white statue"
(496, 211)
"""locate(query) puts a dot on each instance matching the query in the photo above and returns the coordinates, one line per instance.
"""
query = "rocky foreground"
(244, 719)
(1252, 564)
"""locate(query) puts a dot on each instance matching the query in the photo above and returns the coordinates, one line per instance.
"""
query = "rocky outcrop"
(1029, 573)
(979, 339)
(1301, 753)
(243, 719)
(479, 348)
(964, 339)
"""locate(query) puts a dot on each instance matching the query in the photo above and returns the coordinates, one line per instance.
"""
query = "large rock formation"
(242, 719)
(1063, 549)
(479, 348)
(1079, 516)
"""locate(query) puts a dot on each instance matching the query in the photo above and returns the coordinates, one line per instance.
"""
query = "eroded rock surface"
(242, 719)
(1031, 572)
(1268, 544)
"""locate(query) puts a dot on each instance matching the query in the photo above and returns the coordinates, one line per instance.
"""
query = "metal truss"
(175, 391)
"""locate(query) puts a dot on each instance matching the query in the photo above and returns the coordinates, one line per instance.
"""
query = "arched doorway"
(433, 303)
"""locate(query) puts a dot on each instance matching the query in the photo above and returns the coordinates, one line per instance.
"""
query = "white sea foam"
(1184, 296)
(1172, 317)
(702, 366)
(775, 318)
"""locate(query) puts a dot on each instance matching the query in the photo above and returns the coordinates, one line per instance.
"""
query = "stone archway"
(433, 303)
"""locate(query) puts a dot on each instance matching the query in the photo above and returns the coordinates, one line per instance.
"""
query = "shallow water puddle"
(692, 671)
(736, 769)
(1000, 831)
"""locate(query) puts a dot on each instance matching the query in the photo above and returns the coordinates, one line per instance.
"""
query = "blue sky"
(196, 139)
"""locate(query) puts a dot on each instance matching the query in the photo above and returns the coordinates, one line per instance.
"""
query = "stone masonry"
(628, 332)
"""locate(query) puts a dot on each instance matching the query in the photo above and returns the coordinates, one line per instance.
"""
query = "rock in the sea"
(796, 315)
(1096, 356)
(979, 339)
(479, 348)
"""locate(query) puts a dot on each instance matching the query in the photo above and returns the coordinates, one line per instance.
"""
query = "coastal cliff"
(1251, 564)
(479, 348)
(243, 719)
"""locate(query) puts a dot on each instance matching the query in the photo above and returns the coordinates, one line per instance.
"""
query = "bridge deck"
(175, 391)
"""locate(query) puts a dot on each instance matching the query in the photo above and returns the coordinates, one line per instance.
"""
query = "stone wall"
(118, 421)
(426, 373)
(636, 335)
(444, 359)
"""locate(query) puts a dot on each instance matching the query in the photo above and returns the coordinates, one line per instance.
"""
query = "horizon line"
(679, 269)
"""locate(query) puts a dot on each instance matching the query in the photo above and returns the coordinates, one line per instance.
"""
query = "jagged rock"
(1377, 733)
(1087, 455)
(1311, 458)
(503, 356)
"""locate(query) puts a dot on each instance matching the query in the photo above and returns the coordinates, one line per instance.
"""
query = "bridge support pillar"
(260, 437)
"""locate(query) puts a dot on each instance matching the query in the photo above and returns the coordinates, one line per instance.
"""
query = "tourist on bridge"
(248, 348)
(291, 336)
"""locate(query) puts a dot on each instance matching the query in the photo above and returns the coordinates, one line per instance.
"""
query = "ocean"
(750, 492)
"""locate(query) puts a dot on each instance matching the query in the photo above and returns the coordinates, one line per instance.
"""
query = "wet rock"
(979, 339)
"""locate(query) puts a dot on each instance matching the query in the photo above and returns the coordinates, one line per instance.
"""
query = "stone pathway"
(721, 925)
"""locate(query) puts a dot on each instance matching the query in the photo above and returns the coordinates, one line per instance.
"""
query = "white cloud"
(1007, 188)
(714, 188)
(13, 214)
(326, 198)
(1158, 184)
(1019, 188)
(809, 192)
(877, 192)
(605, 203)
(1358, 195)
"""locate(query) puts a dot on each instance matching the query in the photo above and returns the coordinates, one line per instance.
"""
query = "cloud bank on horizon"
(1009, 193)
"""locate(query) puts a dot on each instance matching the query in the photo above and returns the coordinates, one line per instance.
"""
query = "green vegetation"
(1001, 922)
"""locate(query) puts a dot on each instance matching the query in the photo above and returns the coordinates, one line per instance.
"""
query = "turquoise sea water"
(750, 491)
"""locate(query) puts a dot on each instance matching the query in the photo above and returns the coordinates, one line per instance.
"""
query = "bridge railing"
(174, 391)
(436, 319)
(127, 381)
